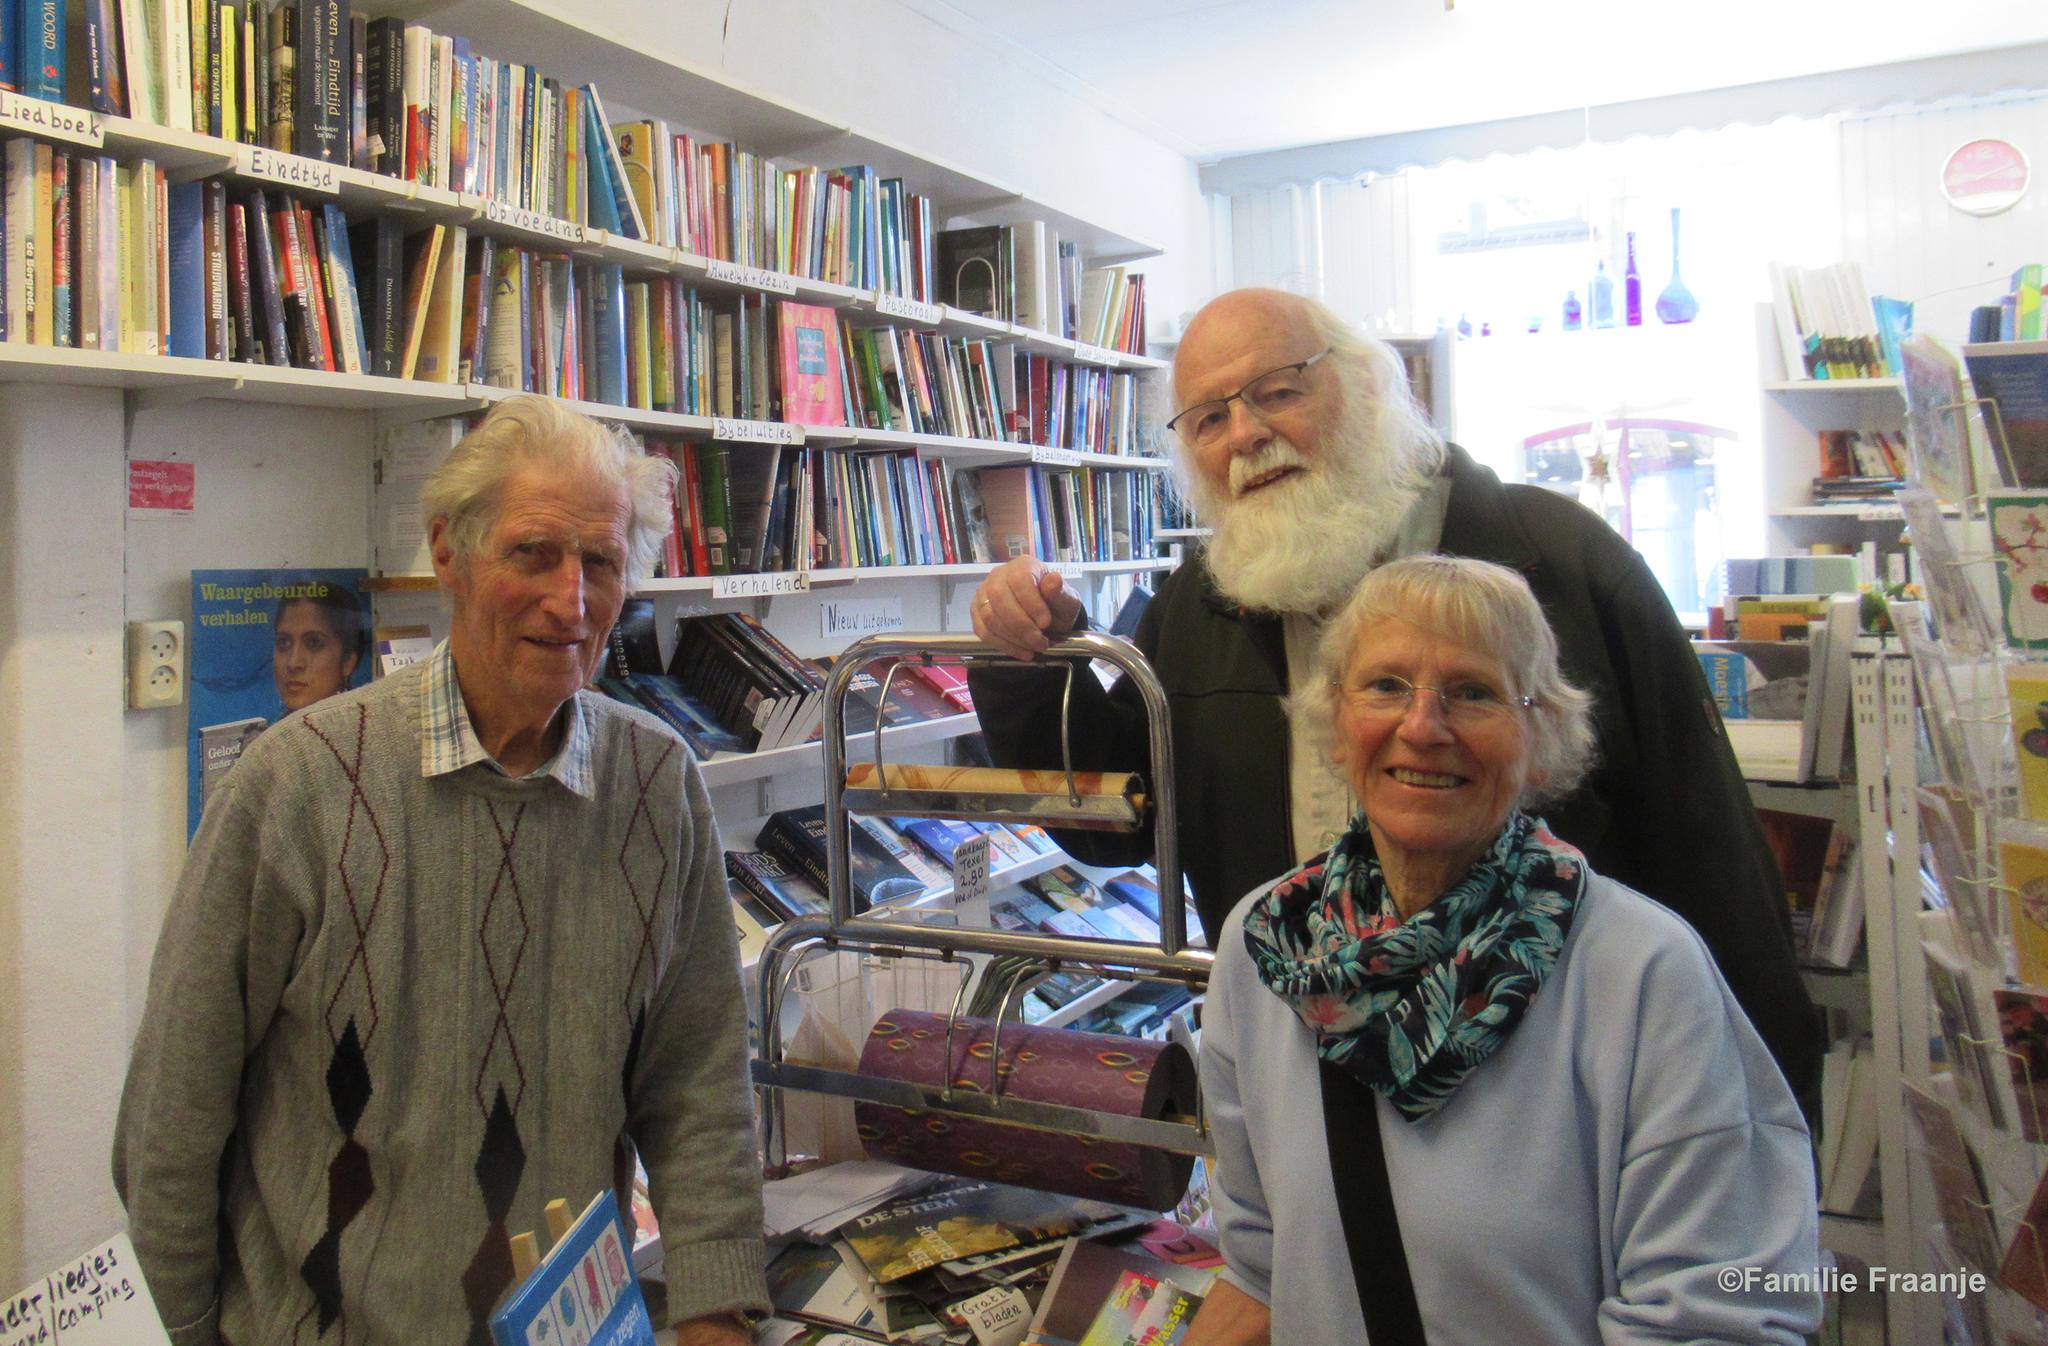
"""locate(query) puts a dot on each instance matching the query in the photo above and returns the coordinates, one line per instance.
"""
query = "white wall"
(92, 821)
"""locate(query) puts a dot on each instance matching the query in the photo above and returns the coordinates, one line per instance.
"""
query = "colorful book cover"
(2019, 533)
(2023, 1028)
(583, 1291)
(811, 393)
(2024, 871)
(958, 1219)
(2027, 688)
(2014, 376)
(1142, 1310)
(1937, 425)
(266, 643)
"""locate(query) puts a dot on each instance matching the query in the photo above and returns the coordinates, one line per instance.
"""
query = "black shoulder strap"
(1365, 1203)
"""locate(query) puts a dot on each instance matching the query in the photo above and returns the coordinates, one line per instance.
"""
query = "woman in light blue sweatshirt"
(1584, 1139)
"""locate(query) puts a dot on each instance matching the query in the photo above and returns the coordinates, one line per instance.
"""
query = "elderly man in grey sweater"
(447, 947)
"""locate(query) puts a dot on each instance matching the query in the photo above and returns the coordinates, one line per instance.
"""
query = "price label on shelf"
(754, 277)
(1095, 355)
(761, 586)
(1055, 457)
(911, 310)
(970, 870)
(534, 221)
(1878, 514)
(55, 120)
(755, 432)
(289, 170)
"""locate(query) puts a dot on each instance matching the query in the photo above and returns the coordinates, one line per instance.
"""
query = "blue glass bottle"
(1572, 312)
(1601, 292)
(1632, 286)
(1676, 304)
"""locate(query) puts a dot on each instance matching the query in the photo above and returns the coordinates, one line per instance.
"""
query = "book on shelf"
(1826, 325)
(1848, 1183)
(2013, 377)
(755, 688)
(780, 887)
(797, 837)
(1768, 693)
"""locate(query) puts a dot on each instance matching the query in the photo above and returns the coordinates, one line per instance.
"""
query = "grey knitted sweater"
(390, 1017)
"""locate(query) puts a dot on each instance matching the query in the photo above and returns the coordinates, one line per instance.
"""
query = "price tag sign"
(534, 221)
(760, 586)
(98, 1299)
(1095, 355)
(911, 310)
(755, 432)
(55, 120)
(732, 273)
(1055, 457)
(289, 170)
(970, 871)
(1000, 1317)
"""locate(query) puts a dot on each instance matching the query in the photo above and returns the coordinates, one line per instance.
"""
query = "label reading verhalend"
(970, 871)
(760, 586)
(1055, 457)
(289, 170)
(756, 432)
(732, 273)
(912, 310)
(1095, 355)
(54, 120)
(498, 212)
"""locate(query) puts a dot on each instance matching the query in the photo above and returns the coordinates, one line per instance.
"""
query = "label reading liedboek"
(55, 120)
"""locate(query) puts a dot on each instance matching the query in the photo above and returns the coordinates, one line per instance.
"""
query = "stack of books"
(1028, 275)
(1827, 325)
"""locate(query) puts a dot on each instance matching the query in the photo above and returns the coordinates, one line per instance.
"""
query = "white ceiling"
(1215, 78)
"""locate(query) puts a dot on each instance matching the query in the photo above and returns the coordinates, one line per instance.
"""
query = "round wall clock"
(1984, 177)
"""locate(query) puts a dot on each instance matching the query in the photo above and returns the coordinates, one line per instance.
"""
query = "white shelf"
(1095, 997)
(1835, 386)
(732, 768)
(820, 578)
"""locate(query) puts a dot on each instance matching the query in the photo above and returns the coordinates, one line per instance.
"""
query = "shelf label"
(1055, 457)
(534, 221)
(755, 432)
(911, 310)
(59, 121)
(1068, 570)
(1095, 355)
(970, 870)
(754, 277)
(761, 586)
(289, 170)
(1878, 514)
(851, 618)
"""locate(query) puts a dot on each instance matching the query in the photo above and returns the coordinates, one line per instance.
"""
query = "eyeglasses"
(1467, 701)
(1204, 424)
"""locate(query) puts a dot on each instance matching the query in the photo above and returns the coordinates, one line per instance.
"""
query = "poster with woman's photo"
(266, 643)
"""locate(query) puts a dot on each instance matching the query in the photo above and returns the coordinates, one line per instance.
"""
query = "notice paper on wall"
(96, 1299)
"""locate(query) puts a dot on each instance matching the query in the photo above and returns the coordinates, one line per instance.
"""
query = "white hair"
(528, 431)
(1302, 545)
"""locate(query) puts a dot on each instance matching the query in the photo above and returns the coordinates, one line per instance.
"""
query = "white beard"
(1304, 543)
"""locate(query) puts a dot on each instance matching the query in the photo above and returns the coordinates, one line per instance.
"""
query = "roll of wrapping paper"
(1108, 800)
(1131, 1077)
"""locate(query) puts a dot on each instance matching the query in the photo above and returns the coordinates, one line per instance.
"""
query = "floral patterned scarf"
(1410, 1006)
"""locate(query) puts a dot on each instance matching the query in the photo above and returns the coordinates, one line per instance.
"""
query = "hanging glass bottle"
(1676, 303)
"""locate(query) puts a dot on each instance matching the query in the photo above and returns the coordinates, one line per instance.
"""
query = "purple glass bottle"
(1572, 312)
(1632, 286)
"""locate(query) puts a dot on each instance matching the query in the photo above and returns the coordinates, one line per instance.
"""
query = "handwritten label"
(1094, 355)
(533, 221)
(96, 1300)
(760, 586)
(55, 120)
(289, 170)
(914, 310)
(1067, 570)
(1878, 515)
(756, 432)
(1000, 1317)
(970, 871)
(1055, 457)
(850, 618)
(732, 273)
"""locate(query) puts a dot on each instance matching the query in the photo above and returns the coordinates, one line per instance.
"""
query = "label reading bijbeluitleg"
(756, 432)
(1055, 457)
(1094, 354)
(732, 273)
(289, 170)
(55, 120)
(760, 586)
(915, 310)
(534, 221)
(1001, 1317)
(970, 871)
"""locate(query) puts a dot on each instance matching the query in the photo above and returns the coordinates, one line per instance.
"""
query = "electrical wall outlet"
(156, 665)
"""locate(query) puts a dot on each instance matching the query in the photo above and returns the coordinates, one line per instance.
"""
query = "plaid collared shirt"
(448, 742)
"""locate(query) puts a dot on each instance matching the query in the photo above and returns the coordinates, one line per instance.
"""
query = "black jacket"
(1664, 809)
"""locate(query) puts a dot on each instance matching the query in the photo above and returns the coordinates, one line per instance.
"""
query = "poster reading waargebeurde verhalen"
(264, 644)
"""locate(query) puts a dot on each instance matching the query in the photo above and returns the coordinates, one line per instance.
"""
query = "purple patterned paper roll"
(1133, 1077)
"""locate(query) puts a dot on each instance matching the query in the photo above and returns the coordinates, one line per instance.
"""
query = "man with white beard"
(1300, 446)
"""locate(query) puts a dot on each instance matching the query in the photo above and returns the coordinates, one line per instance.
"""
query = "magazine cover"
(264, 644)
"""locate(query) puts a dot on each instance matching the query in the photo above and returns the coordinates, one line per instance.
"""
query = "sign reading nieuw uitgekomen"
(97, 1299)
